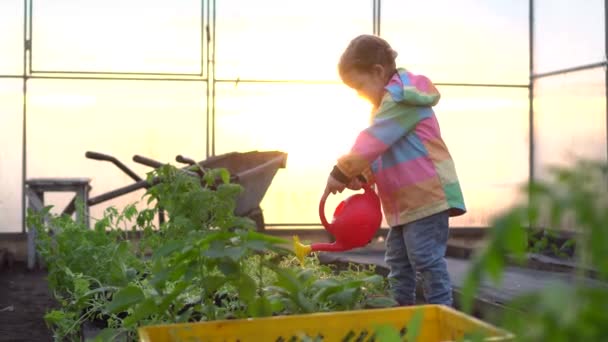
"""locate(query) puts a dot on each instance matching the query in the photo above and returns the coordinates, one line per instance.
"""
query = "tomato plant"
(204, 263)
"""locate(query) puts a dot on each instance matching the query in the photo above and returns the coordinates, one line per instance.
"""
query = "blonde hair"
(365, 51)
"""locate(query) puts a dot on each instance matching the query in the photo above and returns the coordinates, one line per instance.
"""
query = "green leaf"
(130, 211)
(516, 239)
(251, 235)
(125, 298)
(381, 302)
(414, 326)
(346, 297)
(57, 316)
(494, 264)
(166, 302)
(235, 253)
(374, 279)
(216, 249)
(212, 283)
(159, 278)
(107, 334)
(304, 304)
(246, 288)
(387, 333)
(228, 266)
(470, 286)
(225, 175)
(100, 290)
(306, 275)
(81, 286)
(167, 249)
(130, 274)
(143, 310)
(287, 280)
(276, 305)
(260, 307)
(102, 224)
(325, 283)
(257, 245)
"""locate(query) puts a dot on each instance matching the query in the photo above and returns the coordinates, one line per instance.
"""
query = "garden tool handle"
(98, 156)
(184, 160)
(364, 186)
(118, 163)
(147, 161)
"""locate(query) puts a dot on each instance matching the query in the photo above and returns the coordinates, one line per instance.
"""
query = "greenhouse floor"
(24, 299)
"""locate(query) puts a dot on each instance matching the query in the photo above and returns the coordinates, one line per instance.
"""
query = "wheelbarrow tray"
(253, 170)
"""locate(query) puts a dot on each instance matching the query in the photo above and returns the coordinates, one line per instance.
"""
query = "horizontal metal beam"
(238, 80)
(568, 70)
(485, 85)
(186, 77)
(106, 78)
(33, 72)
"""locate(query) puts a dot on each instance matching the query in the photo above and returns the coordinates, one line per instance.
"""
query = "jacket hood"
(415, 90)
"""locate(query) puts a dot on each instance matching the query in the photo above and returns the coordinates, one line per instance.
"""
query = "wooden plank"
(59, 181)
(57, 184)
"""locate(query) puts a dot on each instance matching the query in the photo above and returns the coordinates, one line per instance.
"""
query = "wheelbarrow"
(253, 170)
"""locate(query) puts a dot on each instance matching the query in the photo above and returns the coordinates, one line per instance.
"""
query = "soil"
(24, 299)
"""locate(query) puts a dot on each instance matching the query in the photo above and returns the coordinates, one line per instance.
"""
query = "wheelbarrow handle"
(98, 156)
(156, 164)
(147, 161)
(197, 167)
(184, 160)
(105, 157)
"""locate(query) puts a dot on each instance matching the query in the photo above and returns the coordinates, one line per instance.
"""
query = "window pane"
(568, 33)
(158, 120)
(274, 39)
(11, 121)
(11, 39)
(117, 36)
(569, 118)
(486, 130)
(314, 124)
(466, 41)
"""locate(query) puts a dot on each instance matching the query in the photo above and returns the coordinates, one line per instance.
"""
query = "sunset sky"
(468, 41)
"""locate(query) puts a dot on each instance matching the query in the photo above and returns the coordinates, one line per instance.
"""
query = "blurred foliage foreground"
(575, 199)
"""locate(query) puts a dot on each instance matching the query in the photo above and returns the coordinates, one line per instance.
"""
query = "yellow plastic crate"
(440, 323)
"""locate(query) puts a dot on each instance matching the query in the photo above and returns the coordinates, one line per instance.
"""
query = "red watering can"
(355, 222)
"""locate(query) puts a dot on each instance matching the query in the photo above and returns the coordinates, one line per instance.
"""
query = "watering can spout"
(300, 249)
(303, 250)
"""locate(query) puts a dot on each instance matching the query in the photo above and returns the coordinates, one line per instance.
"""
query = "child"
(403, 154)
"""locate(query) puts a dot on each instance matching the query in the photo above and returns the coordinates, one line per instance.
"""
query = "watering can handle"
(326, 224)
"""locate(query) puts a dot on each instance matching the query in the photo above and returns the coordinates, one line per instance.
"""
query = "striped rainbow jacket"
(411, 165)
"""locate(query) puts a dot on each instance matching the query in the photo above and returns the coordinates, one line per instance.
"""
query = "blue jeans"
(419, 246)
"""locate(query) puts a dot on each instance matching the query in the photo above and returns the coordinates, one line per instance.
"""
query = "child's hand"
(355, 184)
(334, 185)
